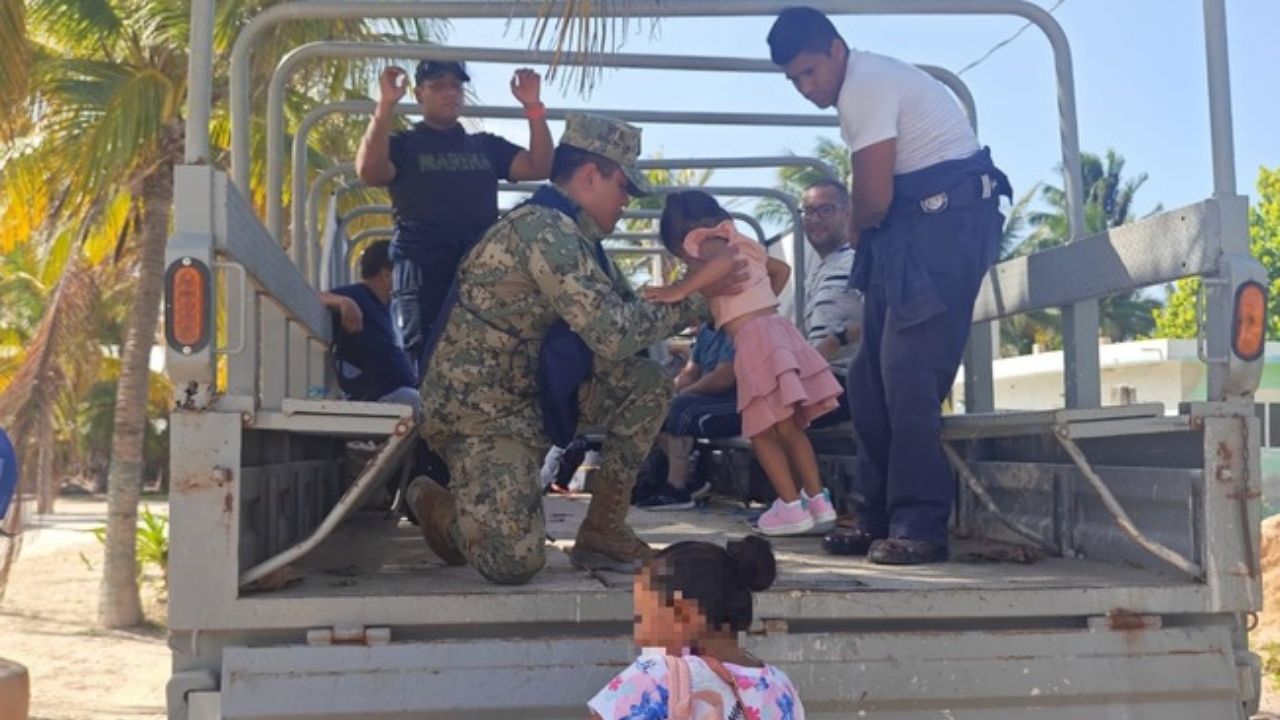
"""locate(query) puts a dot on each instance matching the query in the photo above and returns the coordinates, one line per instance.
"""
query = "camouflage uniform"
(480, 391)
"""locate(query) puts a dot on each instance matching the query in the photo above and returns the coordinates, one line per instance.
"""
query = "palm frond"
(115, 117)
(29, 190)
(15, 67)
(584, 30)
(76, 24)
(104, 232)
(28, 400)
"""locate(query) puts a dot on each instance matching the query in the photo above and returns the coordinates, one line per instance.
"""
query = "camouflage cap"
(609, 138)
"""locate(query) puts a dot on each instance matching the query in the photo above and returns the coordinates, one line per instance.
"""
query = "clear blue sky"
(1140, 87)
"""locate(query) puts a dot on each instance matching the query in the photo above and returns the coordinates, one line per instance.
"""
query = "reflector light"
(1249, 328)
(187, 290)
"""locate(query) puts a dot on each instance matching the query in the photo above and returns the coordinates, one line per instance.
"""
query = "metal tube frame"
(1080, 326)
(629, 214)
(241, 54)
(368, 233)
(317, 186)
(309, 120)
(648, 214)
(289, 64)
(793, 207)
(311, 208)
(397, 447)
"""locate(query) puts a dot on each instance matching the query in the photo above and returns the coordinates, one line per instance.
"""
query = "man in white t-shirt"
(926, 222)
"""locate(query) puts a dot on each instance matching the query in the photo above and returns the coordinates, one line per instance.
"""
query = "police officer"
(927, 222)
(443, 182)
(542, 264)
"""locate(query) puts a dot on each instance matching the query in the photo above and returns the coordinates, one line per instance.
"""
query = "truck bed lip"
(379, 570)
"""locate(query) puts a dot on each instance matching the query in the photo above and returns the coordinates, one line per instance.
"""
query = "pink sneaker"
(821, 510)
(785, 519)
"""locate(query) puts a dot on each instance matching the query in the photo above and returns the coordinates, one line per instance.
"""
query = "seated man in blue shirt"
(371, 366)
(705, 405)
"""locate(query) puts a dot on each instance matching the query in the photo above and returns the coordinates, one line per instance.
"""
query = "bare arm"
(779, 273)
(347, 309)
(872, 191)
(689, 374)
(719, 380)
(829, 346)
(710, 273)
(373, 158)
(613, 327)
(534, 163)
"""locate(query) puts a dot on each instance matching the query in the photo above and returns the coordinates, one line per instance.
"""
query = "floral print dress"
(641, 692)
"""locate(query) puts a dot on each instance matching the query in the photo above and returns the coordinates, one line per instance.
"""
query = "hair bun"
(754, 562)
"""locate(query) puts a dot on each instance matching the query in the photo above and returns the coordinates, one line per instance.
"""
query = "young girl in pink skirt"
(783, 383)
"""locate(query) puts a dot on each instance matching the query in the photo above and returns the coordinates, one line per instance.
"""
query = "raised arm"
(373, 158)
(534, 163)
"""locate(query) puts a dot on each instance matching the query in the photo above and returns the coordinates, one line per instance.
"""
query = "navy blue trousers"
(708, 416)
(920, 273)
(420, 279)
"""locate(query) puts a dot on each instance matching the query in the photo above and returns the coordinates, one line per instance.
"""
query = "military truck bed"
(372, 555)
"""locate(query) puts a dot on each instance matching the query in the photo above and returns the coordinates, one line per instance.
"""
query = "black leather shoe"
(901, 551)
(848, 540)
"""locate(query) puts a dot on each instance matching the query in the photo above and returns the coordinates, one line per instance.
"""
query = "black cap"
(428, 69)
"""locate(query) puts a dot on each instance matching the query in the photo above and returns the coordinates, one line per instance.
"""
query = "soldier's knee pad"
(511, 568)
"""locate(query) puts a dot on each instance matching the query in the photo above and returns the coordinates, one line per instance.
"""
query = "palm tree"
(585, 30)
(640, 267)
(105, 84)
(1109, 198)
(1025, 332)
(794, 179)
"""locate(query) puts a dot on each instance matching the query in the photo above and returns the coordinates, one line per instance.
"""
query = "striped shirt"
(830, 304)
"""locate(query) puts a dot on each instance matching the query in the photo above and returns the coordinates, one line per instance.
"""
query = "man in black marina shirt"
(443, 183)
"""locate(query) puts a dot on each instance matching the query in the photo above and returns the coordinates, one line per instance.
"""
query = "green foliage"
(646, 269)
(153, 543)
(1270, 654)
(1109, 199)
(1178, 317)
(794, 180)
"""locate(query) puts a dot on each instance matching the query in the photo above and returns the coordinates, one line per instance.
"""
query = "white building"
(1144, 371)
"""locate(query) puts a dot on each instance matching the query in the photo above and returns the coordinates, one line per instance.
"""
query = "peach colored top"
(756, 293)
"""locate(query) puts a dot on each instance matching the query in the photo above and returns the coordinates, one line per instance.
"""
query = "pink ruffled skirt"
(779, 376)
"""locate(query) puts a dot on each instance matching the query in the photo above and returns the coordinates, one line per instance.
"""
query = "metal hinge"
(349, 635)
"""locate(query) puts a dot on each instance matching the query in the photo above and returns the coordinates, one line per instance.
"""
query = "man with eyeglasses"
(926, 218)
(832, 309)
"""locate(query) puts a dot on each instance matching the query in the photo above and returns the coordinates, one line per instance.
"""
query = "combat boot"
(434, 507)
(604, 541)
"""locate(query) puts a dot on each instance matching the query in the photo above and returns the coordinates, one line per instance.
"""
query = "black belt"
(972, 190)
